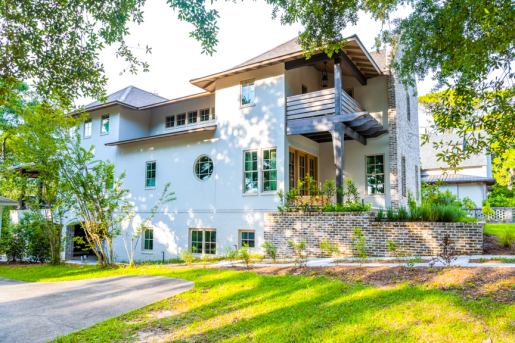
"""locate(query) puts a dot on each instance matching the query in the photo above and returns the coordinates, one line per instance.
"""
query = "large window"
(204, 114)
(251, 172)
(248, 239)
(151, 175)
(181, 119)
(87, 128)
(403, 175)
(300, 164)
(203, 241)
(169, 122)
(104, 128)
(247, 92)
(269, 170)
(192, 117)
(148, 239)
(375, 174)
(203, 167)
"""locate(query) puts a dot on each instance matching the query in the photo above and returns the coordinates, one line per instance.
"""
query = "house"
(473, 178)
(256, 129)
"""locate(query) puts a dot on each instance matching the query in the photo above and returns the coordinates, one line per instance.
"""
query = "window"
(169, 122)
(213, 113)
(148, 239)
(203, 167)
(312, 168)
(204, 115)
(350, 92)
(417, 171)
(181, 119)
(304, 89)
(251, 172)
(87, 128)
(248, 239)
(408, 107)
(247, 92)
(269, 170)
(151, 174)
(203, 241)
(192, 117)
(375, 174)
(302, 170)
(291, 172)
(104, 129)
(403, 172)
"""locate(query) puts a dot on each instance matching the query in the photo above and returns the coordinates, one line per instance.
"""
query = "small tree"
(487, 211)
(244, 255)
(298, 252)
(330, 249)
(270, 250)
(360, 245)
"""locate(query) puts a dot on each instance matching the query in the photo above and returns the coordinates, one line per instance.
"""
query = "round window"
(203, 167)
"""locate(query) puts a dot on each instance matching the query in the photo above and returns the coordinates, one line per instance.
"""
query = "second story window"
(87, 128)
(269, 170)
(104, 129)
(150, 181)
(169, 122)
(204, 114)
(192, 117)
(181, 119)
(247, 92)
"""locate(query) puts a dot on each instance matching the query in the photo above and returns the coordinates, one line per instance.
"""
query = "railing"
(319, 103)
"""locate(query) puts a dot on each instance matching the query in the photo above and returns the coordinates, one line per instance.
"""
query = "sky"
(246, 29)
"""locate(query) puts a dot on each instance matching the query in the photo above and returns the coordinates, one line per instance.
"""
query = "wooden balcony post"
(338, 134)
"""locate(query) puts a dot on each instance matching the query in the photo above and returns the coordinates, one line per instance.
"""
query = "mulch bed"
(491, 246)
(497, 284)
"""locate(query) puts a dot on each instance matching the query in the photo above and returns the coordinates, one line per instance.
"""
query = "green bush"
(380, 214)
(468, 220)
(391, 215)
(507, 238)
(14, 243)
(402, 213)
(270, 250)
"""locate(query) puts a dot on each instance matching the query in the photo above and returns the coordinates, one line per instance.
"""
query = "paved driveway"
(41, 311)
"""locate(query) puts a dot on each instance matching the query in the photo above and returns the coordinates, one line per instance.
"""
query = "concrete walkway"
(461, 261)
(41, 311)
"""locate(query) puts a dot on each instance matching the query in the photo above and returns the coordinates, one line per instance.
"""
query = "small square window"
(105, 124)
(181, 119)
(87, 128)
(248, 239)
(148, 239)
(204, 114)
(192, 117)
(169, 122)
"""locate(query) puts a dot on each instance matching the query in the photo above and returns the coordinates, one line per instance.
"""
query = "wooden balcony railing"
(319, 103)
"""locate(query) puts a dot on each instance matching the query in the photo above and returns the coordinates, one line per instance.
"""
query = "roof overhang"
(164, 135)
(468, 179)
(7, 202)
(354, 49)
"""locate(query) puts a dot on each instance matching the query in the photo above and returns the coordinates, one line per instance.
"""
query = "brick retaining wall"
(422, 238)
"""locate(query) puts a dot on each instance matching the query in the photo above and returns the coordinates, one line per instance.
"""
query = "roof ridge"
(125, 94)
(143, 90)
(250, 59)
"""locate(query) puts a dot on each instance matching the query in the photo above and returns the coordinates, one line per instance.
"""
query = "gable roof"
(430, 160)
(7, 202)
(291, 50)
(130, 96)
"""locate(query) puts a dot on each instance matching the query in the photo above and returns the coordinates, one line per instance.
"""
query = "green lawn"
(498, 229)
(242, 306)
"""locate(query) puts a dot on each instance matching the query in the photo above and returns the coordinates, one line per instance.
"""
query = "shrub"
(487, 211)
(391, 215)
(14, 243)
(359, 245)
(270, 250)
(329, 248)
(468, 204)
(380, 214)
(468, 220)
(449, 213)
(507, 238)
(298, 252)
(245, 256)
(187, 256)
(402, 213)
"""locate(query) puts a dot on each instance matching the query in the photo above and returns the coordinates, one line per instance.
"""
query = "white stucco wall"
(476, 191)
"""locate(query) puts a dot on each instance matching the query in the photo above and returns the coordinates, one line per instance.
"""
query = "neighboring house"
(473, 178)
(5, 202)
(257, 129)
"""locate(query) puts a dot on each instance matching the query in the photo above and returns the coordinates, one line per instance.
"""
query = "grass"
(500, 259)
(498, 229)
(235, 306)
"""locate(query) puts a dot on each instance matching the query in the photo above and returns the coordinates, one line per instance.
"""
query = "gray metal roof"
(131, 96)
(6, 201)
(457, 178)
(430, 160)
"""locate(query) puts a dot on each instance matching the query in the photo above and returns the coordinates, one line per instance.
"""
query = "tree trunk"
(3, 148)
(512, 177)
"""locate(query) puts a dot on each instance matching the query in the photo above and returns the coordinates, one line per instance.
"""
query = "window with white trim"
(250, 174)
(104, 124)
(375, 174)
(148, 239)
(203, 241)
(213, 116)
(403, 172)
(150, 180)
(87, 127)
(248, 239)
(247, 92)
(181, 119)
(204, 114)
(203, 167)
(269, 170)
(192, 117)
(169, 122)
